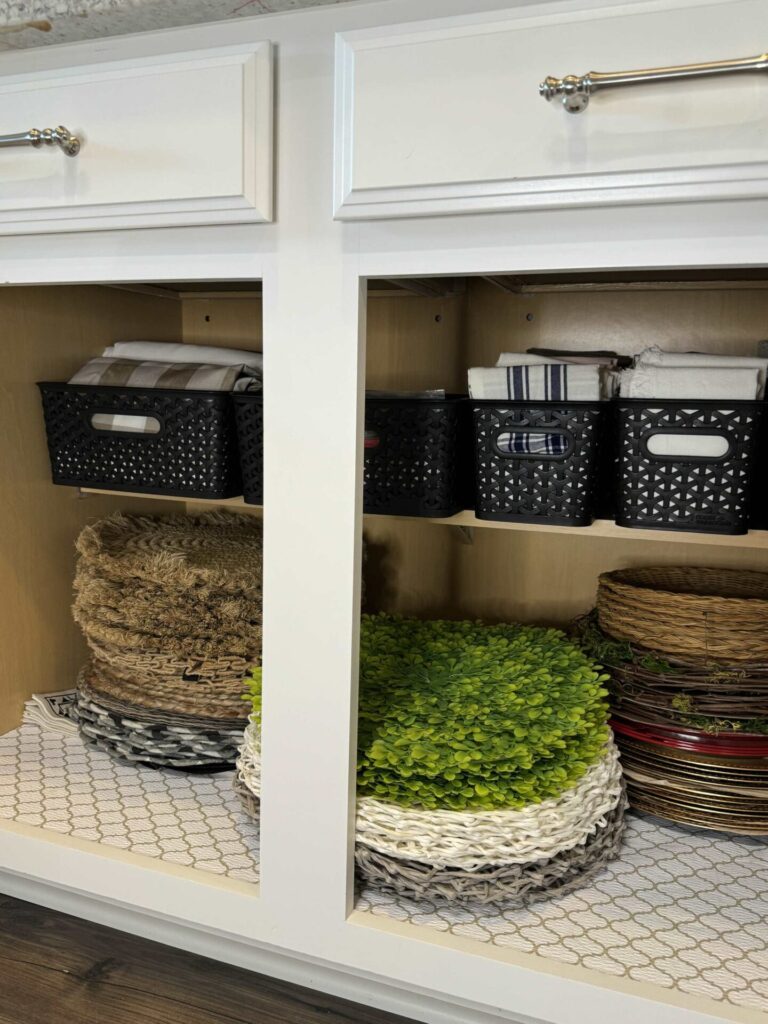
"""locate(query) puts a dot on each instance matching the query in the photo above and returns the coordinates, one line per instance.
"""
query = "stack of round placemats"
(486, 771)
(690, 695)
(171, 610)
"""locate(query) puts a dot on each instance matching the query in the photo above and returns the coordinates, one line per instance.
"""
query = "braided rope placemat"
(171, 684)
(510, 884)
(474, 839)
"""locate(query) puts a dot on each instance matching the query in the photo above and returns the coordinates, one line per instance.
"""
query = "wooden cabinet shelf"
(601, 529)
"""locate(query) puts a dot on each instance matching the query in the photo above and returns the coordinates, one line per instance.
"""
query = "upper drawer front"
(446, 116)
(182, 139)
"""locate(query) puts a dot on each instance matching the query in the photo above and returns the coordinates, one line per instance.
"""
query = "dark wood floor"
(55, 969)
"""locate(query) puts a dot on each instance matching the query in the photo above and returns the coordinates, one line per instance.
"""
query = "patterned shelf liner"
(681, 909)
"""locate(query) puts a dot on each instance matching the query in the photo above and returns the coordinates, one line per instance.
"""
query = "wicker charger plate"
(719, 615)
(166, 746)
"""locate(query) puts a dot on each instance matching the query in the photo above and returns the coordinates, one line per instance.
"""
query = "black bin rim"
(57, 385)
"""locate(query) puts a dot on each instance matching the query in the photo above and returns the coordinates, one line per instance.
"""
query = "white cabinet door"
(181, 139)
(446, 117)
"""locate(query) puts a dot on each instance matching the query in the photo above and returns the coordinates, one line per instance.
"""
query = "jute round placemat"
(217, 552)
(171, 684)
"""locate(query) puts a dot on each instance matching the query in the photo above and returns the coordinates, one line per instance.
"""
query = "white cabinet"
(178, 139)
(445, 116)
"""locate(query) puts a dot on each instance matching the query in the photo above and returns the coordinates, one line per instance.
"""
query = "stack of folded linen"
(693, 375)
(534, 377)
(171, 610)
(486, 769)
(525, 376)
(152, 364)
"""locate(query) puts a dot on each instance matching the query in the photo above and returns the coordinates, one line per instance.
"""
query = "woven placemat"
(146, 607)
(168, 684)
(512, 884)
(218, 552)
(137, 741)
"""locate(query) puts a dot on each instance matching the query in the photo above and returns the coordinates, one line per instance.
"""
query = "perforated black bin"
(417, 456)
(191, 453)
(538, 462)
(249, 415)
(708, 492)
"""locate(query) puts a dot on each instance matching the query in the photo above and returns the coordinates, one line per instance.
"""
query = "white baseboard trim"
(370, 991)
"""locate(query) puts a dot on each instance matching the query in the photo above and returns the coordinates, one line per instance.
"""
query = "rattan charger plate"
(719, 615)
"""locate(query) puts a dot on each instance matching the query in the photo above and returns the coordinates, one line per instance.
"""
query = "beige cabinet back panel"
(47, 334)
(420, 568)
(445, 116)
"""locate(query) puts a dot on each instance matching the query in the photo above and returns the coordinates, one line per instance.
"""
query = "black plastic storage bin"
(538, 462)
(696, 493)
(417, 456)
(192, 454)
(249, 415)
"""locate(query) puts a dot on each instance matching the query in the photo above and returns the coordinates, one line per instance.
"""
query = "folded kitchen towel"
(525, 359)
(689, 382)
(131, 373)
(144, 374)
(539, 382)
(178, 352)
(655, 356)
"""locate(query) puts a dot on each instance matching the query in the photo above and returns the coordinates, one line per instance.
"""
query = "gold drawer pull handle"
(60, 136)
(574, 91)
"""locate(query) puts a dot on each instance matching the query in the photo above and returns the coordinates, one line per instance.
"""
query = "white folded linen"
(655, 356)
(689, 382)
(524, 359)
(542, 382)
(178, 352)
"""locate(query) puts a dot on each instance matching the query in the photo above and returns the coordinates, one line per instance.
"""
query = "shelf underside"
(54, 782)
(601, 529)
(681, 909)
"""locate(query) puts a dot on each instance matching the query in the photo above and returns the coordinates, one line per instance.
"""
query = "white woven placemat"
(53, 781)
(681, 909)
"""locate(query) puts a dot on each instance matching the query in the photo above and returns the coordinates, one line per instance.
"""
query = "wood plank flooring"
(55, 969)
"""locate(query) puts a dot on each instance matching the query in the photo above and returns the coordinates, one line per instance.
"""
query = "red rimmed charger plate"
(724, 744)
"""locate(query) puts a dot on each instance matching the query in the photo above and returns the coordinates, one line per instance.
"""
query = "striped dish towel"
(523, 442)
(104, 371)
(538, 383)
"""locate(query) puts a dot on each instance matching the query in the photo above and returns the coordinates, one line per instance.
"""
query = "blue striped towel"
(550, 382)
(539, 383)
